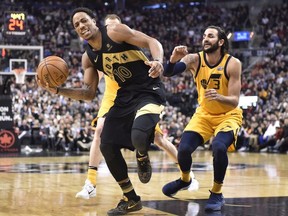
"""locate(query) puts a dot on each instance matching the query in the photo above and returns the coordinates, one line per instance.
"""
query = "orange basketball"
(53, 70)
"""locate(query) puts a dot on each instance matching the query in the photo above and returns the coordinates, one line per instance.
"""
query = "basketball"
(53, 70)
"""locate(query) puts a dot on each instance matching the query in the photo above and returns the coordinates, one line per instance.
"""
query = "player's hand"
(178, 53)
(156, 68)
(211, 94)
(45, 85)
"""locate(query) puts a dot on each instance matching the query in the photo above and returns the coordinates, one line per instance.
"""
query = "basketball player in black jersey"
(130, 123)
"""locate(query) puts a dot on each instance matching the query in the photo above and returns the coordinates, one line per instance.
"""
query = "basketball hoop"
(20, 75)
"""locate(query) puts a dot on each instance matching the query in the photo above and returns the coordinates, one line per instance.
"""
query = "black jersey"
(124, 63)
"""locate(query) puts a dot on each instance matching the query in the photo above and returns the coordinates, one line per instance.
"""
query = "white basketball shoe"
(194, 184)
(88, 191)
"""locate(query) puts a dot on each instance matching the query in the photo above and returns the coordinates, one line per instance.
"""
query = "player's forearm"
(171, 69)
(76, 93)
(156, 50)
(229, 100)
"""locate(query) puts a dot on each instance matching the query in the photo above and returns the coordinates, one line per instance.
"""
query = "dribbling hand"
(46, 86)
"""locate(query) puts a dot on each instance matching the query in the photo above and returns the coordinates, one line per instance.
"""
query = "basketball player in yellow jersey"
(218, 79)
(111, 87)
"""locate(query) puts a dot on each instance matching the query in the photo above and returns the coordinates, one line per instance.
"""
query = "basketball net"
(20, 75)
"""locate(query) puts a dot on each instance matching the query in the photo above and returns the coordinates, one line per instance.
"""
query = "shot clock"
(15, 24)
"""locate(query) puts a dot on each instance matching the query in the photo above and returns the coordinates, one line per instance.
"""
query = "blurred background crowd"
(57, 123)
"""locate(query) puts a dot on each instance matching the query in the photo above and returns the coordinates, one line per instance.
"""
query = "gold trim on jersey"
(111, 88)
(150, 109)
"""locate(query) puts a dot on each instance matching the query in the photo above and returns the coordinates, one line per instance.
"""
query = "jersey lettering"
(214, 79)
(122, 73)
(115, 58)
(124, 57)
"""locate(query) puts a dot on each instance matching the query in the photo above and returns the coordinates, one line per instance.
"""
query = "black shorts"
(117, 128)
(117, 131)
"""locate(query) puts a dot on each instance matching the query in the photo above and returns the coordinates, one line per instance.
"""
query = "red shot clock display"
(15, 24)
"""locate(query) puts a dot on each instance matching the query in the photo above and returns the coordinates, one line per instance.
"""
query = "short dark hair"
(85, 10)
(222, 35)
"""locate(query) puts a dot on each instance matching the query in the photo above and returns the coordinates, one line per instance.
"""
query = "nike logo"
(131, 206)
(155, 88)
(109, 47)
(96, 59)
(89, 192)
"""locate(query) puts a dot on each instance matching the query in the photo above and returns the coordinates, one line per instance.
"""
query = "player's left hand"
(156, 68)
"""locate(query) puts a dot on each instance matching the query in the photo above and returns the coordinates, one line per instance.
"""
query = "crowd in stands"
(59, 123)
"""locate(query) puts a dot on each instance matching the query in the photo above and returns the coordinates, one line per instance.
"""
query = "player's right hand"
(45, 85)
(178, 53)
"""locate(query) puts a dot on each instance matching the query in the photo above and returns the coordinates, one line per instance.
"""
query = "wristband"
(57, 90)
(172, 69)
(159, 60)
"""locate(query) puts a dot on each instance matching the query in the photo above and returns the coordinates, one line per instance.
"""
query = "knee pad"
(141, 140)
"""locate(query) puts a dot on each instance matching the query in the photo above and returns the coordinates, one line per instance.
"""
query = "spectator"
(271, 130)
(84, 141)
(274, 139)
(281, 145)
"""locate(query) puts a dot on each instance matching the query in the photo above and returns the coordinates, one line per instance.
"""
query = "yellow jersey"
(111, 88)
(208, 77)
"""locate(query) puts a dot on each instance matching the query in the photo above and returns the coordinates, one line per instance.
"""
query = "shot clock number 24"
(15, 23)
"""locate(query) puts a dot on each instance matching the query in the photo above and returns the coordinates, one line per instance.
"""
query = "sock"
(185, 176)
(217, 188)
(139, 155)
(128, 190)
(92, 174)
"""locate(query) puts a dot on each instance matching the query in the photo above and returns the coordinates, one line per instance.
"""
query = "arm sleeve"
(172, 69)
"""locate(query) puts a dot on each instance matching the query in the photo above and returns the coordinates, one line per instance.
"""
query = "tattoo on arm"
(86, 86)
(191, 59)
(84, 93)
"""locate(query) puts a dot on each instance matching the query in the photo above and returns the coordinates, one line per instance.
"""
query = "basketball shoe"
(194, 186)
(215, 202)
(125, 206)
(88, 191)
(173, 187)
(144, 168)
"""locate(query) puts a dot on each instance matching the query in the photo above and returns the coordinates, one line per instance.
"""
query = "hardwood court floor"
(35, 185)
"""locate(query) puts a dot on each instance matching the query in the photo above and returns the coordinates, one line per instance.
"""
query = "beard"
(212, 49)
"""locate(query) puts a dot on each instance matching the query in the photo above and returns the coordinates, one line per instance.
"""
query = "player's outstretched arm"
(180, 61)
(90, 83)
